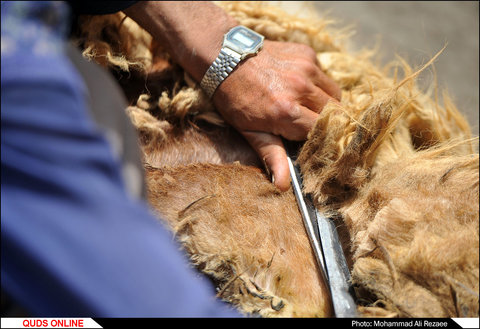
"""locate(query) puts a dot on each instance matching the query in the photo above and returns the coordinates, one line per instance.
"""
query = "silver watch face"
(243, 40)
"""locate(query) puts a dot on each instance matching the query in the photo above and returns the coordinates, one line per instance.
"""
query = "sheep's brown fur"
(397, 171)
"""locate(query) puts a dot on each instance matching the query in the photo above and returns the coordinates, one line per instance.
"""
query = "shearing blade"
(325, 243)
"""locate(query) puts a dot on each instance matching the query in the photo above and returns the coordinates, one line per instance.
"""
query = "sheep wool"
(396, 170)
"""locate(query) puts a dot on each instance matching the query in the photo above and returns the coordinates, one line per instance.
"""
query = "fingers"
(317, 99)
(328, 86)
(296, 123)
(270, 148)
(312, 68)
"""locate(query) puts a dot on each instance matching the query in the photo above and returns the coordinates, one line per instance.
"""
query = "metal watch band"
(219, 70)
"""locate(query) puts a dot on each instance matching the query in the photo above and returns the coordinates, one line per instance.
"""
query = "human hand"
(277, 93)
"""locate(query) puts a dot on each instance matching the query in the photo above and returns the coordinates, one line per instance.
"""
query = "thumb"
(270, 148)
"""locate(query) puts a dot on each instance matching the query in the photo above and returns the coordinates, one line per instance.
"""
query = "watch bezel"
(240, 48)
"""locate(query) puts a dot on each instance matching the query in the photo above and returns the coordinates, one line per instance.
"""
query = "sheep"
(395, 170)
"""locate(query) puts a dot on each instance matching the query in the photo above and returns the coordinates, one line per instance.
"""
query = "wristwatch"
(238, 44)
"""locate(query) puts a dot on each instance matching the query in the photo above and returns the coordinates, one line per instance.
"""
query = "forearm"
(191, 31)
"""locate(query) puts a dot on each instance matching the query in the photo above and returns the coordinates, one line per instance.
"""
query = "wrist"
(204, 48)
(238, 44)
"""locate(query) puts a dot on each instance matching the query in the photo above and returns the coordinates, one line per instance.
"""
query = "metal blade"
(337, 269)
(326, 245)
(309, 219)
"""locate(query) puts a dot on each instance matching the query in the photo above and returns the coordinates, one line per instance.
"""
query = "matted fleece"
(396, 170)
